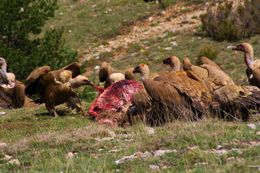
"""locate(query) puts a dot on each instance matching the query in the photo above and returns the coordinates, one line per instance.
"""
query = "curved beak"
(232, 47)
(3, 76)
(87, 82)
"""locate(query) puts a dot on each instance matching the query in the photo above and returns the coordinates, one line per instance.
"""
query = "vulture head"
(186, 63)
(3, 73)
(243, 47)
(174, 62)
(79, 81)
(248, 53)
(143, 69)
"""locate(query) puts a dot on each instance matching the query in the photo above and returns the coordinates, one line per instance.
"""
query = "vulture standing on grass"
(253, 66)
(106, 75)
(56, 87)
(12, 93)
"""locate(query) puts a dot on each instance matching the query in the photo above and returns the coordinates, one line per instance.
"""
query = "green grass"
(45, 143)
(94, 22)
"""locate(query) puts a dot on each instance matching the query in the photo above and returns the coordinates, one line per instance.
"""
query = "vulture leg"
(75, 103)
(51, 109)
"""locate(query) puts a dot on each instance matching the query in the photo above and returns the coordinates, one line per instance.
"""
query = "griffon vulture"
(11, 90)
(106, 75)
(253, 66)
(56, 87)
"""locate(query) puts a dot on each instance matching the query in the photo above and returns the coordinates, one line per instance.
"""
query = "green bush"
(208, 51)
(22, 42)
(226, 21)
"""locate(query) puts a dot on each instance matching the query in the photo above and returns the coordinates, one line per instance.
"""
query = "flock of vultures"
(186, 91)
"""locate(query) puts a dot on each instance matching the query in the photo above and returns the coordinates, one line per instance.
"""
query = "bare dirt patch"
(176, 18)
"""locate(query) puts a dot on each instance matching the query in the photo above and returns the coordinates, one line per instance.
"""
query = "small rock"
(146, 155)
(149, 130)
(7, 157)
(97, 67)
(219, 147)
(236, 150)
(150, 19)
(124, 159)
(111, 133)
(69, 155)
(159, 153)
(251, 126)
(258, 133)
(104, 139)
(114, 151)
(15, 162)
(2, 113)
(154, 167)
(174, 44)
(220, 152)
(2, 145)
(167, 48)
(201, 163)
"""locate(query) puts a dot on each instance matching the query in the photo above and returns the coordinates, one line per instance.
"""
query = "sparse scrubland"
(127, 33)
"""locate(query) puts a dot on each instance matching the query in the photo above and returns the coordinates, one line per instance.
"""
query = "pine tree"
(21, 23)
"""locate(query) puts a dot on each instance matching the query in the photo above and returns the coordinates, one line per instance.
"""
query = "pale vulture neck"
(176, 67)
(249, 59)
(145, 74)
(4, 67)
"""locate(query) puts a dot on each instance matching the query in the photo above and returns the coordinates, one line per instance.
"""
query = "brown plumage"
(253, 66)
(12, 94)
(218, 76)
(12, 97)
(193, 71)
(206, 60)
(177, 95)
(55, 87)
(175, 91)
(107, 75)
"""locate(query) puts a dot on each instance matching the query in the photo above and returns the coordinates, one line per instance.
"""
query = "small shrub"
(232, 21)
(208, 51)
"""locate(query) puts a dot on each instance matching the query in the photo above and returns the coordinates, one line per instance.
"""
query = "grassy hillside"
(71, 143)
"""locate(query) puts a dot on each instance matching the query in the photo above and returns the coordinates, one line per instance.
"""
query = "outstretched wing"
(34, 84)
(74, 68)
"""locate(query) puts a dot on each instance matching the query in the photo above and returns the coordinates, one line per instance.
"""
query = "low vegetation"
(232, 20)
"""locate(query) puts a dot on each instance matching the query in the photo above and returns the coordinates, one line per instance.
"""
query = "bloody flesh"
(114, 97)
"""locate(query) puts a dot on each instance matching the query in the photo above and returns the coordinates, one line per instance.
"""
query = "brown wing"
(206, 60)
(74, 68)
(34, 84)
(104, 72)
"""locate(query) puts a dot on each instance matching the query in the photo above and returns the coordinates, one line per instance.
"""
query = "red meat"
(113, 98)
